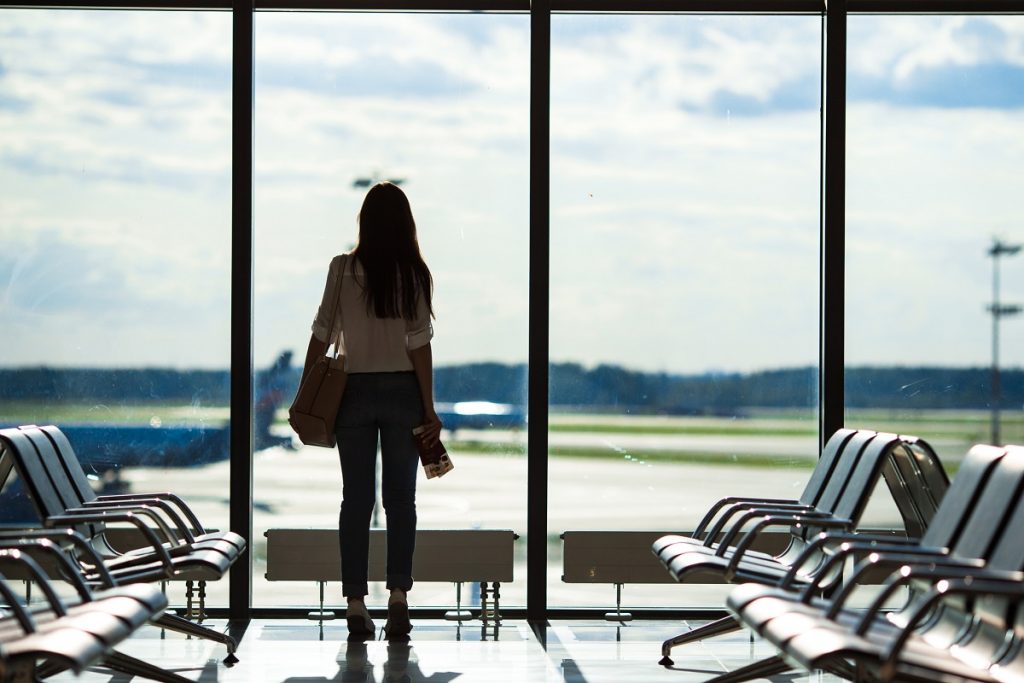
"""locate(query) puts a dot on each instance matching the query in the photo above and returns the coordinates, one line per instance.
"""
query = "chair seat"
(691, 545)
(199, 565)
(97, 622)
(227, 549)
(686, 564)
(71, 647)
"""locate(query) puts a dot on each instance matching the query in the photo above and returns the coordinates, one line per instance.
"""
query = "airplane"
(105, 448)
(364, 182)
(480, 415)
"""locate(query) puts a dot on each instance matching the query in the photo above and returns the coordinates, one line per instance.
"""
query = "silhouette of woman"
(383, 328)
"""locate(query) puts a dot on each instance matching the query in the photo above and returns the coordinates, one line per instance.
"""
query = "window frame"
(832, 237)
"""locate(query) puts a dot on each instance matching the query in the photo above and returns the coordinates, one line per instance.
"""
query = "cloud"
(937, 61)
(685, 158)
(119, 169)
(755, 65)
(17, 105)
(369, 77)
(796, 95)
(991, 86)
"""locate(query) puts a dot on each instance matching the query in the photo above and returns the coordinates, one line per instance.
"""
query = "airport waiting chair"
(57, 634)
(851, 464)
(963, 619)
(186, 524)
(710, 527)
(69, 476)
(166, 556)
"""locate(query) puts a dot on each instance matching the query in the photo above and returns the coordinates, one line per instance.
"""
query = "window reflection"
(115, 246)
(933, 125)
(344, 100)
(684, 251)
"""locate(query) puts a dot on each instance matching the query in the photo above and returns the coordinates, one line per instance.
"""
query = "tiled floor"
(565, 652)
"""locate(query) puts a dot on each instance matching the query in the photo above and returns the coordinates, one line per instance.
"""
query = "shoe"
(398, 625)
(359, 623)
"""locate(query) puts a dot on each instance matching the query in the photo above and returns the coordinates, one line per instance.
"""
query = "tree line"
(604, 387)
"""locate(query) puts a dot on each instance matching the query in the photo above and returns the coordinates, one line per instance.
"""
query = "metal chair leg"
(762, 669)
(709, 630)
(173, 622)
(118, 661)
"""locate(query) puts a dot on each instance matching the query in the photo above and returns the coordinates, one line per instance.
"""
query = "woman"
(381, 317)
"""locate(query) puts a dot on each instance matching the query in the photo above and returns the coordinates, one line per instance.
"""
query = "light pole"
(998, 311)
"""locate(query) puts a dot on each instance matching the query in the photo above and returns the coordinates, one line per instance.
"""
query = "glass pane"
(439, 102)
(684, 279)
(115, 226)
(934, 128)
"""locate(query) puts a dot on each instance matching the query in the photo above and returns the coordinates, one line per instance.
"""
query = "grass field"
(37, 412)
(967, 425)
(758, 439)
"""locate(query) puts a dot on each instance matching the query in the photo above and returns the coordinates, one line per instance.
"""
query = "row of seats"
(117, 592)
(962, 579)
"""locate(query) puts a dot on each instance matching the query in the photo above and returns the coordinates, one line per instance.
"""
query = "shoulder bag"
(318, 399)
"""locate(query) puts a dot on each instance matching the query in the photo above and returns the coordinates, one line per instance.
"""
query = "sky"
(684, 195)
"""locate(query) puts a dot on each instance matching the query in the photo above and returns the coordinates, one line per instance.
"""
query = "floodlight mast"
(998, 311)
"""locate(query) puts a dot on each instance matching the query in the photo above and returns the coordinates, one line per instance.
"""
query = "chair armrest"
(18, 558)
(184, 532)
(1004, 584)
(129, 517)
(20, 613)
(170, 498)
(750, 511)
(797, 516)
(67, 568)
(825, 538)
(850, 547)
(143, 510)
(785, 520)
(904, 560)
(730, 500)
(15, 538)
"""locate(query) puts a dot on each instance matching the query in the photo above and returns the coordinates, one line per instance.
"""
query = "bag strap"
(337, 303)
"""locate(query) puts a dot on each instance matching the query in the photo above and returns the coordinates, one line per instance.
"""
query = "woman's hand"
(431, 426)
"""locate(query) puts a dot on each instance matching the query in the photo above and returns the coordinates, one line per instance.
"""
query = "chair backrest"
(1006, 551)
(861, 483)
(70, 464)
(47, 453)
(825, 467)
(6, 467)
(916, 481)
(844, 469)
(35, 459)
(962, 496)
(986, 526)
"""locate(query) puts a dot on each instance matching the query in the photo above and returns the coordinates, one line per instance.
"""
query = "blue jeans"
(388, 405)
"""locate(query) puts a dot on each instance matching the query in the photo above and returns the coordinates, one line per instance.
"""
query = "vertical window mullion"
(240, 599)
(540, 295)
(833, 271)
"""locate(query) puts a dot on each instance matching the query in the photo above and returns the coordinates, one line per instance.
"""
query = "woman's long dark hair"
(395, 271)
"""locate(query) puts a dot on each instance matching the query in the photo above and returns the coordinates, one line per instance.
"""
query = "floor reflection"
(400, 666)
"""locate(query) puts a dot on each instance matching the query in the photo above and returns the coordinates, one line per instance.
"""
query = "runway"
(302, 488)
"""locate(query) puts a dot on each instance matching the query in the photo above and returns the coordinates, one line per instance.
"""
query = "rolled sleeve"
(321, 327)
(420, 331)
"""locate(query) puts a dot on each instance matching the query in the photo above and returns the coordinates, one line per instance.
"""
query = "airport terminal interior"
(728, 346)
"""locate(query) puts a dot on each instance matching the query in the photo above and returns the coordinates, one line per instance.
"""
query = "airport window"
(344, 100)
(684, 273)
(934, 117)
(686, 173)
(115, 234)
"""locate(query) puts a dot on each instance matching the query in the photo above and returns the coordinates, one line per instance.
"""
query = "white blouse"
(369, 343)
